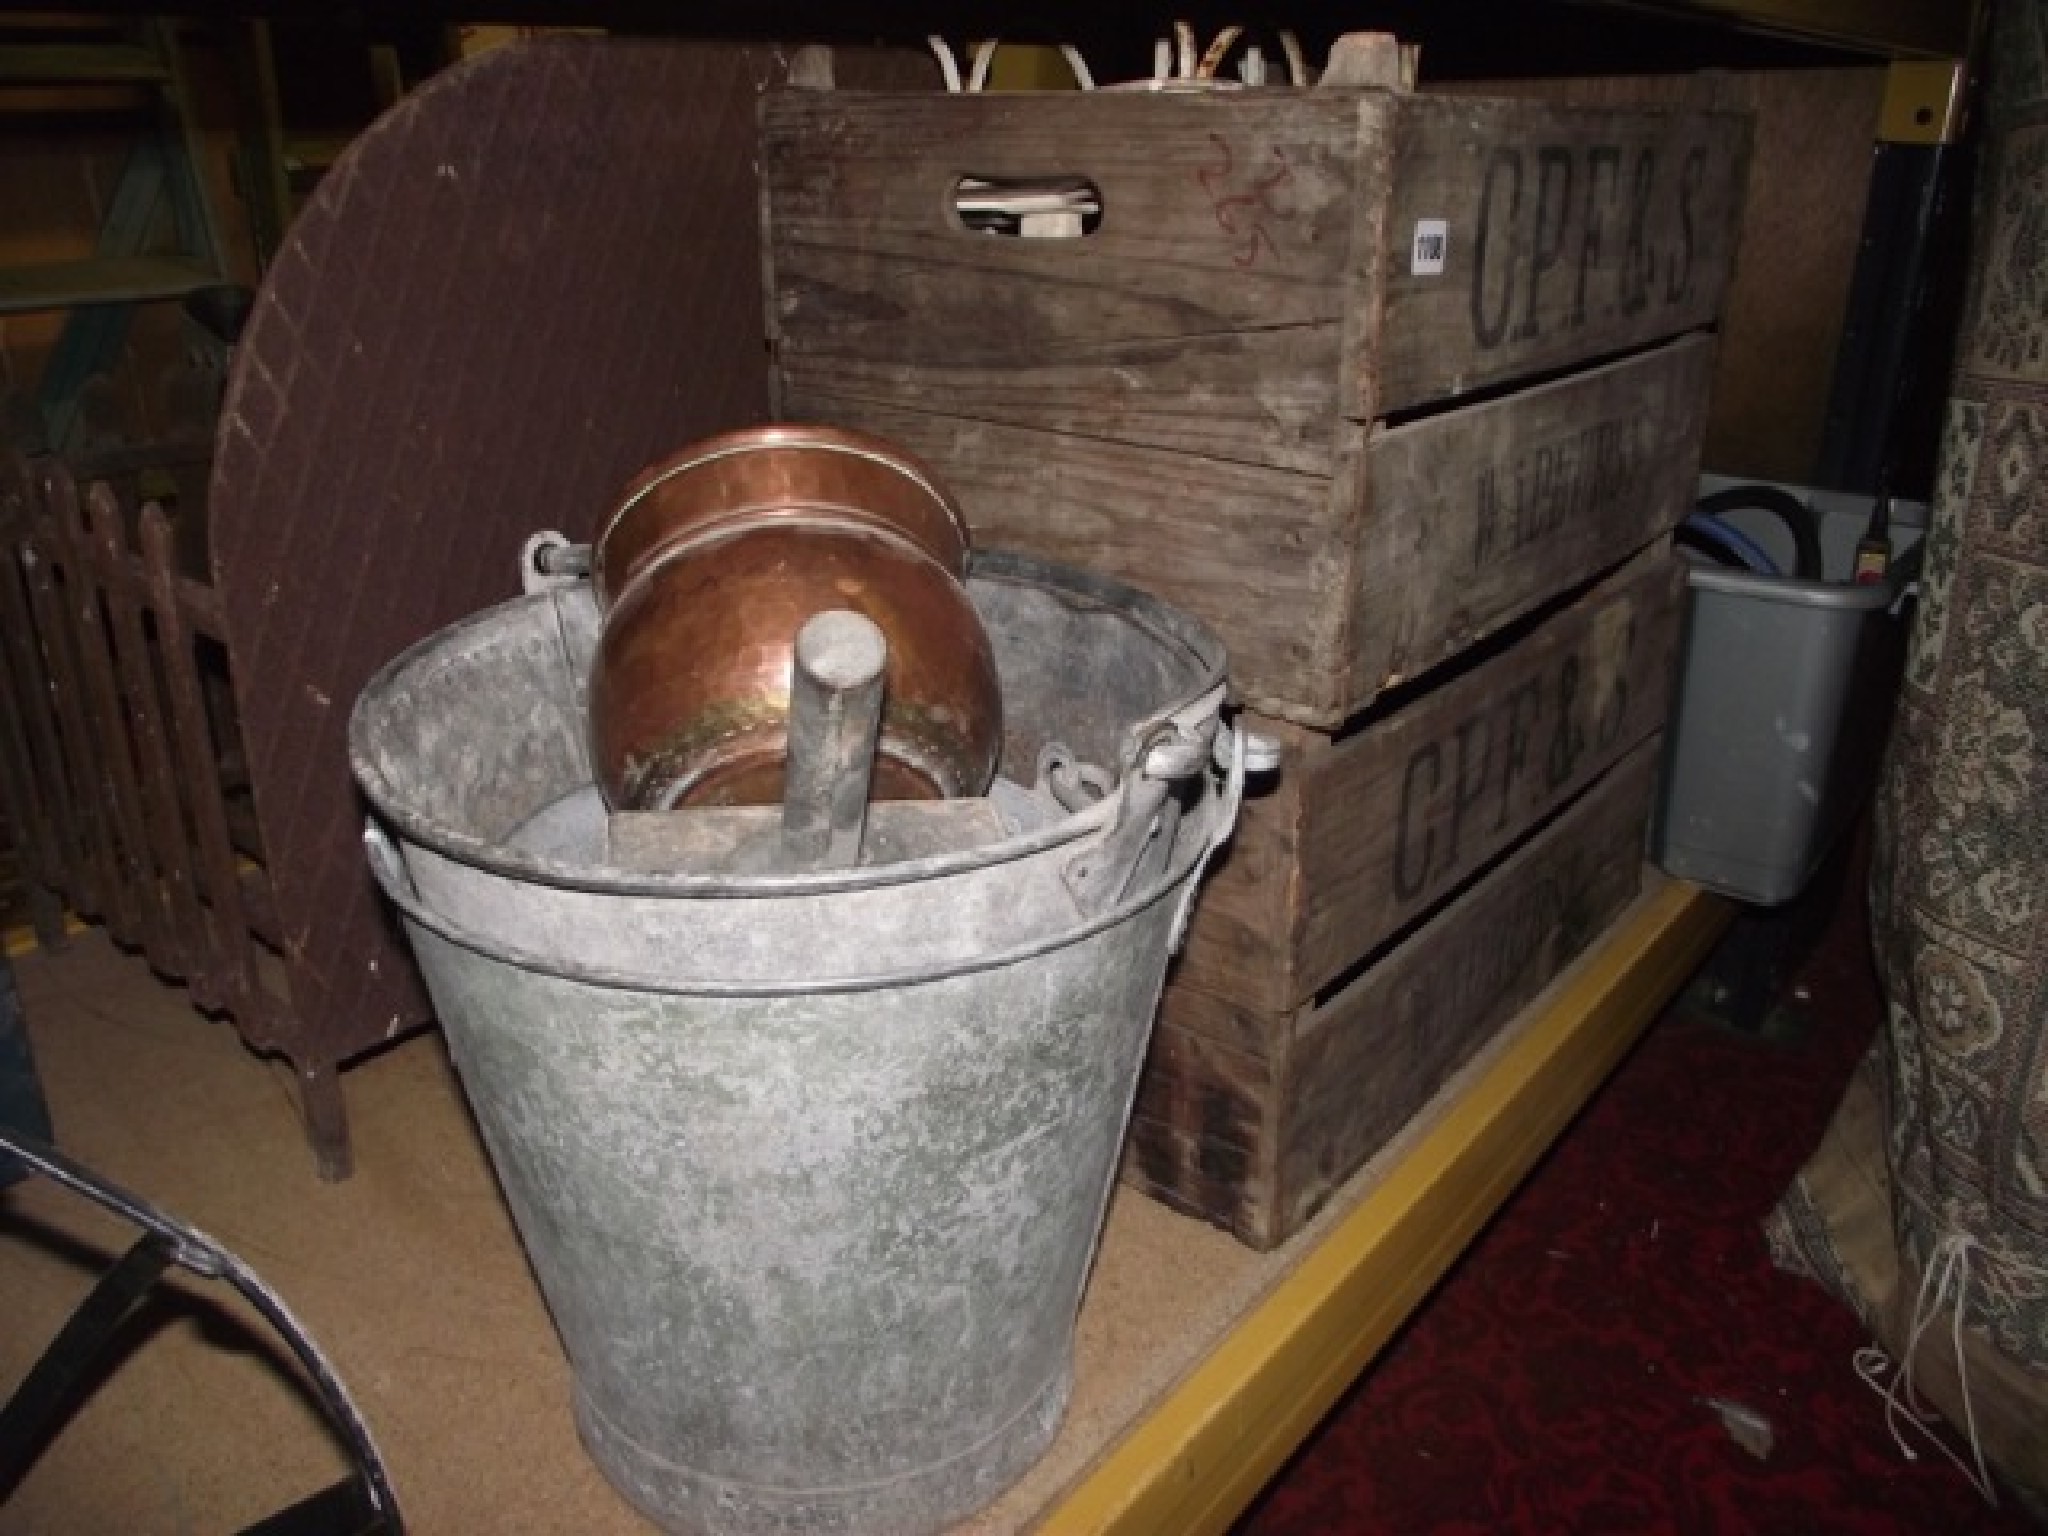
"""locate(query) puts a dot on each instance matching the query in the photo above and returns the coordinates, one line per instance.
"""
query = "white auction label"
(1432, 244)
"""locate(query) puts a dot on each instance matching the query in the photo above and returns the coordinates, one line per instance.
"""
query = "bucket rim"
(1185, 868)
(1065, 582)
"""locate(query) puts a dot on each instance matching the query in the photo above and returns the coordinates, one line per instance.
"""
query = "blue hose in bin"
(1710, 524)
(1727, 543)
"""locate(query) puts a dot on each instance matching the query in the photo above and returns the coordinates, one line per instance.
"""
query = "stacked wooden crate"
(1401, 393)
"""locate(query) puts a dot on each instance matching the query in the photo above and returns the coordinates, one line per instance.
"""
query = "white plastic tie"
(1953, 1266)
(949, 66)
(984, 60)
(1083, 76)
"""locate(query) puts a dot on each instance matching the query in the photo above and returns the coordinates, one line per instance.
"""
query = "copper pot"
(710, 565)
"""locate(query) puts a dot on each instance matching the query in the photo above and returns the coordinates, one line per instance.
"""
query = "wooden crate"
(1253, 1120)
(1396, 896)
(1233, 390)
(1403, 394)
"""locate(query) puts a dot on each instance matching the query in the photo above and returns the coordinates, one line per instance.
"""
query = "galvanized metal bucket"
(810, 1167)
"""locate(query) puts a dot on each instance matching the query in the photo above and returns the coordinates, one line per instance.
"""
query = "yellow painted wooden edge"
(1923, 102)
(1937, 28)
(1192, 1465)
(16, 942)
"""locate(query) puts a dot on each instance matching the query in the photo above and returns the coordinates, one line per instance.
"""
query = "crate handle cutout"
(1028, 207)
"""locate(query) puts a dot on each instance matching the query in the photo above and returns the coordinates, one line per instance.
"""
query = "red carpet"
(1557, 1381)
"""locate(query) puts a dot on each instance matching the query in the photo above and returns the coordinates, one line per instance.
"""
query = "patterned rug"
(1930, 1193)
(1600, 1357)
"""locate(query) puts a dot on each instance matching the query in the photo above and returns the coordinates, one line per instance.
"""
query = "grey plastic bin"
(1784, 697)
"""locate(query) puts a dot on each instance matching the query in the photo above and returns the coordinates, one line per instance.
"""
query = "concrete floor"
(409, 1275)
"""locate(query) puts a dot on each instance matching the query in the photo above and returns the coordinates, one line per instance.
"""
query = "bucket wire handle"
(1237, 752)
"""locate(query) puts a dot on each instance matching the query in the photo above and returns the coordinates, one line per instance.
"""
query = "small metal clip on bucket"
(809, 1164)
(548, 559)
(1160, 760)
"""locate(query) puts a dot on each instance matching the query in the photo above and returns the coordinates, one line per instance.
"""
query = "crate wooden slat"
(1252, 1120)
(1485, 512)
(1195, 396)
(1209, 535)
(1569, 233)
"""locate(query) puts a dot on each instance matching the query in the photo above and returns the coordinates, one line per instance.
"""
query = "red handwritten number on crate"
(1242, 215)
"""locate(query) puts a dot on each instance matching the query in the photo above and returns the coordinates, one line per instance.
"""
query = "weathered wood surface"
(1203, 315)
(1365, 833)
(1360, 1065)
(1204, 1132)
(1252, 550)
(1184, 397)
(1801, 226)
(1568, 233)
(1244, 239)
(1461, 521)
(1476, 516)
(107, 752)
(1254, 1131)
(50, 834)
